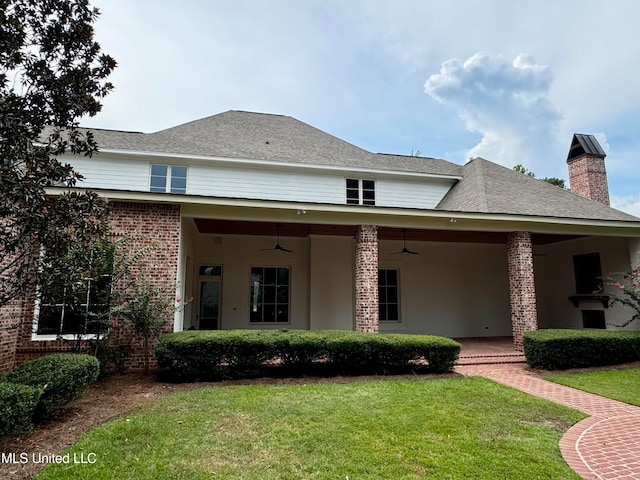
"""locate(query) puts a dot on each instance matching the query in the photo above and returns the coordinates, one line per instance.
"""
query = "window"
(74, 310)
(269, 295)
(168, 179)
(388, 301)
(360, 192)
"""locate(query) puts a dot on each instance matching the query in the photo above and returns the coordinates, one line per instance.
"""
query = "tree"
(52, 73)
(558, 182)
(521, 169)
(627, 293)
(146, 309)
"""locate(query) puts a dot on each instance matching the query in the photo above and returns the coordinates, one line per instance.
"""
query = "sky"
(506, 80)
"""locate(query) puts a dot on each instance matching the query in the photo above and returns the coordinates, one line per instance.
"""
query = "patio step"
(490, 359)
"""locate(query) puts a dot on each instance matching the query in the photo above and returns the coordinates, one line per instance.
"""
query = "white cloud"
(507, 102)
(629, 204)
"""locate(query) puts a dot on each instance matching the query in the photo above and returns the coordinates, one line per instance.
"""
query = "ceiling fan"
(404, 245)
(278, 246)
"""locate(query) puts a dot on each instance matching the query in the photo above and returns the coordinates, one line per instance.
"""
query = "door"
(209, 312)
(209, 295)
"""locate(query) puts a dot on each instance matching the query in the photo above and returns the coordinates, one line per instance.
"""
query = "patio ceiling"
(232, 227)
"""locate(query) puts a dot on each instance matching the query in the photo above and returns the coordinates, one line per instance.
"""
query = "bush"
(212, 355)
(112, 358)
(62, 377)
(17, 405)
(562, 349)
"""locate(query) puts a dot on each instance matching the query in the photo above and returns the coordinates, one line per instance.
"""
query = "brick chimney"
(587, 173)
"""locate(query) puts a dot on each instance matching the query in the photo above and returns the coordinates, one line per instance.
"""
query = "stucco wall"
(331, 284)
(555, 281)
(237, 254)
(451, 289)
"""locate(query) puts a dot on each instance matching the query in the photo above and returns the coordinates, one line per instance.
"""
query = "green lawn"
(460, 428)
(623, 385)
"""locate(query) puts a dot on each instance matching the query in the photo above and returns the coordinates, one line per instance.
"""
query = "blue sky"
(507, 80)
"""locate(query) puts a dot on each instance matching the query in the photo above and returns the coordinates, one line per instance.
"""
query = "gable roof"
(581, 144)
(487, 187)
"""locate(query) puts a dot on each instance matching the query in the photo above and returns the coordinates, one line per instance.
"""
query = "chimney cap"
(585, 144)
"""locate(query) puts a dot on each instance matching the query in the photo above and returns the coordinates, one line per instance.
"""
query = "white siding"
(265, 184)
(411, 194)
(110, 173)
(250, 182)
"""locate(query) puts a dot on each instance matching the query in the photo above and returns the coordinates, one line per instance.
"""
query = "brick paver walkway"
(605, 445)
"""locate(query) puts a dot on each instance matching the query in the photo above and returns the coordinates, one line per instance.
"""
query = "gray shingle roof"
(490, 188)
(485, 187)
(259, 136)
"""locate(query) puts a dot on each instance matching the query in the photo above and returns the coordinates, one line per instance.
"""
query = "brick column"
(367, 278)
(522, 290)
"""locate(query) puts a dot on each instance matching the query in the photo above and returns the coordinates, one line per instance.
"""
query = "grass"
(461, 428)
(623, 385)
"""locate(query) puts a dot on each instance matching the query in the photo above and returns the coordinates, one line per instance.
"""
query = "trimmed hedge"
(214, 355)
(17, 405)
(62, 377)
(555, 349)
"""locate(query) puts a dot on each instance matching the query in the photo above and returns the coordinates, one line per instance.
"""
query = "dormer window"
(361, 192)
(168, 179)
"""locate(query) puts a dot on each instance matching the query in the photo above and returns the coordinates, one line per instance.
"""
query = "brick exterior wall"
(10, 317)
(366, 279)
(588, 177)
(522, 291)
(146, 224)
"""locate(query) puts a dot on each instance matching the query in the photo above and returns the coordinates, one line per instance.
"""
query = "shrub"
(561, 349)
(17, 405)
(62, 377)
(299, 350)
(211, 355)
(190, 355)
(112, 358)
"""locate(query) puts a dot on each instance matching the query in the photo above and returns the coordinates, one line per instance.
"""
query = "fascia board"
(296, 212)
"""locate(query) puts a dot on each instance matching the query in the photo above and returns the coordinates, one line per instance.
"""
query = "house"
(267, 222)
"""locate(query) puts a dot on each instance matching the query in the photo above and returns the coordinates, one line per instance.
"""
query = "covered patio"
(452, 282)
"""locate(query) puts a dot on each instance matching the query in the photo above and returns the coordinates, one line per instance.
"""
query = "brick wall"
(10, 316)
(522, 291)
(366, 279)
(588, 177)
(144, 224)
(147, 224)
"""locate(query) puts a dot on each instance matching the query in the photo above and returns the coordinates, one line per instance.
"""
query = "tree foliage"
(52, 73)
(558, 182)
(626, 291)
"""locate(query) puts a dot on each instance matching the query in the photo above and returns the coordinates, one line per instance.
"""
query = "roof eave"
(240, 208)
(208, 159)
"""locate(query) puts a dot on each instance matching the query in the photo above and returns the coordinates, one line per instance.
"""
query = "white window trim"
(167, 180)
(360, 192)
(266, 324)
(399, 302)
(49, 336)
